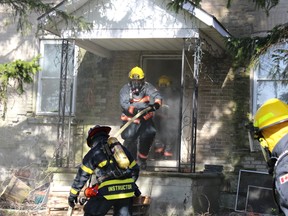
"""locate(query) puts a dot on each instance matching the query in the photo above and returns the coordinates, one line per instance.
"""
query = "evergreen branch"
(21, 11)
(19, 71)
(245, 50)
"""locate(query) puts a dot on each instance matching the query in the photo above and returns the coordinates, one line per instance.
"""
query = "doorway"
(164, 72)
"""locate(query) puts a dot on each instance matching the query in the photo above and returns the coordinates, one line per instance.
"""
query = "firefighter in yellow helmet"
(135, 96)
(271, 130)
(116, 186)
(167, 120)
(164, 81)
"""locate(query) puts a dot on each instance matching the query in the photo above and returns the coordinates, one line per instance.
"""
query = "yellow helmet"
(136, 73)
(164, 81)
(272, 112)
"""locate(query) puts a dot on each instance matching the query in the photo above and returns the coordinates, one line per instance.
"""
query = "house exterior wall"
(243, 18)
(28, 140)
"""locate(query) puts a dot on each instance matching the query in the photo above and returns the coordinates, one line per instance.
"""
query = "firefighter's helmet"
(136, 76)
(164, 81)
(136, 73)
(97, 131)
(272, 112)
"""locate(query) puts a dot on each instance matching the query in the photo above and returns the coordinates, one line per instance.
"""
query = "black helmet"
(97, 131)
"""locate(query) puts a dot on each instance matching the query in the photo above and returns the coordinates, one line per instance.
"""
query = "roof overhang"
(137, 25)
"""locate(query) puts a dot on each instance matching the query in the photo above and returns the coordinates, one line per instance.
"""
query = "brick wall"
(243, 18)
(223, 105)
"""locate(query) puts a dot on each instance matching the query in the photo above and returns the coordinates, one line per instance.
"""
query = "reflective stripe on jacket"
(138, 120)
(96, 159)
(130, 101)
(117, 188)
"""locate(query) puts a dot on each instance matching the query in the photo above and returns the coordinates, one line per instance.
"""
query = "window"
(269, 79)
(50, 83)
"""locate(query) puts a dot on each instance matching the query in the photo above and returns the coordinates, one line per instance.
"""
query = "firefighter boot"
(168, 155)
(158, 152)
(142, 162)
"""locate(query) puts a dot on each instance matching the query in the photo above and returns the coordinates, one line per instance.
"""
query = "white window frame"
(39, 109)
(267, 57)
(258, 70)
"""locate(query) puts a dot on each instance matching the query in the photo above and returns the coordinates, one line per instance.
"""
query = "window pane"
(51, 60)
(50, 95)
(271, 65)
(49, 78)
(271, 89)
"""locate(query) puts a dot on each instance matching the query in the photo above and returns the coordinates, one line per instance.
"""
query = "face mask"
(136, 85)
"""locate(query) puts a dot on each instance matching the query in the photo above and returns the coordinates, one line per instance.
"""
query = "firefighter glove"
(72, 200)
(132, 110)
(155, 106)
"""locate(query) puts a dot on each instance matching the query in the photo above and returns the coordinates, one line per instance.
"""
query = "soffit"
(138, 25)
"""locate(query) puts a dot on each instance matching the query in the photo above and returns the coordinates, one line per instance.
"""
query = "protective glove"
(154, 106)
(133, 110)
(72, 200)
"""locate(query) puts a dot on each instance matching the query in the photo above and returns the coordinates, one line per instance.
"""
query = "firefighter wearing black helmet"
(116, 186)
(271, 130)
(136, 96)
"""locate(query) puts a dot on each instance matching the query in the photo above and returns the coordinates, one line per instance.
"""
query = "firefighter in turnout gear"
(136, 96)
(116, 186)
(271, 130)
(167, 120)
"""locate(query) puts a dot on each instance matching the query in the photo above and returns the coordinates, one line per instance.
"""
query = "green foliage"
(18, 71)
(77, 24)
(246, 50)
(21, 10)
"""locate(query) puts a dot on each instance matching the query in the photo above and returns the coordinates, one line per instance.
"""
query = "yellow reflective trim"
(265, 118)
(86, 169)
(102, 164)
(132, 164)
(263, 142)
(73, 191)
(121, 187)
(119, 196)
(116, 181)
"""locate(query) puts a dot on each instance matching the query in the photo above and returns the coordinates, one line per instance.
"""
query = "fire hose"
(70, 209)
(131, 120)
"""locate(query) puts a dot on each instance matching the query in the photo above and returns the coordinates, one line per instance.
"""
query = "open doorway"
(164, 72)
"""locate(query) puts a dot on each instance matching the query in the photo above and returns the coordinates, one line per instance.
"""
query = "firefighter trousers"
(144, 132)
(99, 206)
